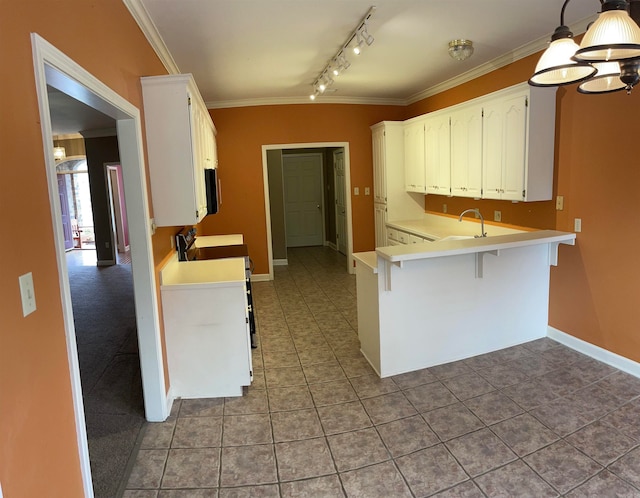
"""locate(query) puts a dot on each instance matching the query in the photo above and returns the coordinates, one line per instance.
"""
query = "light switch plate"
(27, 293)
(577, 225)
(356, 190)
(559, 203)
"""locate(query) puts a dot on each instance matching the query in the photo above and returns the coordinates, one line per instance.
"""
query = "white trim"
(141, 15)
(51, 66)
(225, 104)
(615, 360)
(351, 264)
(330, 245)
(280, 262)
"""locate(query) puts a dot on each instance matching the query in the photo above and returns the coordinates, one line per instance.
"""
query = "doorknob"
(318, 206)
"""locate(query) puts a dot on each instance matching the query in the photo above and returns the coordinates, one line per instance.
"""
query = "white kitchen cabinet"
(437, 144)
(391, 200)
(414, 156)
(518, 144)
(466, 151)
(380, 217)
(204, 305)
(180, 146)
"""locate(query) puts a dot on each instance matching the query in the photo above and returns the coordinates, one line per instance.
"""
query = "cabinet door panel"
(379, 180)
(444, 156)
(380, 215)
(492, 145)
(515, 132)
(414, 157)
(466, 152)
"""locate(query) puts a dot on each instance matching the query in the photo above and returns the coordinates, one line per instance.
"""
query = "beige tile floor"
(533, 420)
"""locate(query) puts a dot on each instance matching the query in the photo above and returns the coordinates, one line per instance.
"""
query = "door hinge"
(526, 101)
(188, 100)
(524, 192)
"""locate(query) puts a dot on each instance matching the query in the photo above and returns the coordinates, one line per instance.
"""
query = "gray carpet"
(104, 315)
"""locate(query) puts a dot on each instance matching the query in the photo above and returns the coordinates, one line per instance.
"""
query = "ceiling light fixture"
(339, 63)
(606, 61)
(59, 153)
(460, 49)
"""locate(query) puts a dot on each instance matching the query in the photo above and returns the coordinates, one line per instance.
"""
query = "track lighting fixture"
(339, 63)
(607, 60)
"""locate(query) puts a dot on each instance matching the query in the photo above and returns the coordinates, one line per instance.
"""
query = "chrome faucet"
(476, 211)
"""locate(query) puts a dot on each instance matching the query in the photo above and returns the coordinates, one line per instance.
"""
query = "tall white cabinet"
(391, 200)
(181, 145)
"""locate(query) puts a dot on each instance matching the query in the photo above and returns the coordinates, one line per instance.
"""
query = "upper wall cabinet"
(466, 151)
(414, 156)
(180, 145)
(518, 144)
(437, 149)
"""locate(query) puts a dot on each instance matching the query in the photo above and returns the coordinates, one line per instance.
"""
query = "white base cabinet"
(204, 305)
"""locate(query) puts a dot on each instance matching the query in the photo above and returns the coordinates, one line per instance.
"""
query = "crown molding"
(150, 31)
(224, 104)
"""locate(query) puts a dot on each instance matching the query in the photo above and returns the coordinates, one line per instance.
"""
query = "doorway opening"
(75, 204)
(306, 199)
(54, 70)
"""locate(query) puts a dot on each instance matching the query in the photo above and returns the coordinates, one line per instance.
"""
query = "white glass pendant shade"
(556, 66)
(606, 81)
(614, 36)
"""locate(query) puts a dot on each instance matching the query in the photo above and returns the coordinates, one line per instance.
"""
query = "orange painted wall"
(243, 131)
(38, 448)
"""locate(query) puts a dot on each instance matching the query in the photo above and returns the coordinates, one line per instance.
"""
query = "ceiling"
(245, 52)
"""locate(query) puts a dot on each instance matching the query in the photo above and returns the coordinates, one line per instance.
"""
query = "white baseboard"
(331, 245)
(261, 277)
(612, 359)
(280, 262)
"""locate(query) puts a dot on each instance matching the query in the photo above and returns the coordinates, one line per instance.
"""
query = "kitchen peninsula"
(424, 304)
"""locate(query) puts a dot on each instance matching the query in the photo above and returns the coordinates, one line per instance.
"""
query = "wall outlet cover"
(27, 293)
(559, 203)
(356, 190)
(497, 216)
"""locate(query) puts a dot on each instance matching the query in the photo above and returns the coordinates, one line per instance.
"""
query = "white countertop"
(218, 240)
(434, 226)
(426, 250)
(202, 273)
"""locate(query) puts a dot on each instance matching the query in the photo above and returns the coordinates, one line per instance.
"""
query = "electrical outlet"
(356, 190)
(476, 213)
(27, 293)
(152, 223)
(367, 191)
(559, 203)
(444, 208)
(577, 225)
(497, 216)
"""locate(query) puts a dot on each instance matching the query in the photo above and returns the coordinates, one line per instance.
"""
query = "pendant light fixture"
(607, 60)
(556, 65)
(614, 36)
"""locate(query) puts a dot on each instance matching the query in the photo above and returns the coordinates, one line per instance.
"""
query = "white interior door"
(341, 206)
(302, 176)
